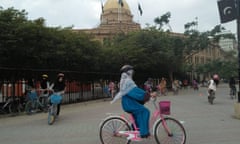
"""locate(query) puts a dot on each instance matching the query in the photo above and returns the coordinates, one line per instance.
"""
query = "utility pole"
(230, 10)
(238, 38)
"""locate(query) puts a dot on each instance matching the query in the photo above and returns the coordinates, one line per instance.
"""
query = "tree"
(148, 50)
(30, 44)
(163, 20)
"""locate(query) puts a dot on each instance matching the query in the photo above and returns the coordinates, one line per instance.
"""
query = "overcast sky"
(86, 13)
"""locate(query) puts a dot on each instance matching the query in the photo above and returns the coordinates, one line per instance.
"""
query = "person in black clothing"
(44, 84)
(232, 82)
(232, 85)
(59, 87)
(31, 84)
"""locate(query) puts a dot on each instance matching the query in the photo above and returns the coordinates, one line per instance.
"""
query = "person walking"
(163, 85)
(232, 86)
(148, 85)
(111, 88)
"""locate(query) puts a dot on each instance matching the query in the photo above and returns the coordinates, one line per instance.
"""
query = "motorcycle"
(211, 96)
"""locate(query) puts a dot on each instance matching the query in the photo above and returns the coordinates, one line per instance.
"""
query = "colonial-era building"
(204, 56)
(211, 53)
(115, 18)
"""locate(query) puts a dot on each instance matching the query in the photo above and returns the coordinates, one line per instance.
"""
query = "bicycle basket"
(165, 107)
(55, 99)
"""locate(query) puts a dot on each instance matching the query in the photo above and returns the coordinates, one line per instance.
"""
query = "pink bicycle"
(117, 129)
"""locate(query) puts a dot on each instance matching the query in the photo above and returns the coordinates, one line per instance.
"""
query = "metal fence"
(79, 86)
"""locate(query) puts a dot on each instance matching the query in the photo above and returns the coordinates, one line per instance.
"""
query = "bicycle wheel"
(109, 131)
(14, 108)
(234, 93)
(28, 107)
(52, 112)
(177, 132)
(211, 97)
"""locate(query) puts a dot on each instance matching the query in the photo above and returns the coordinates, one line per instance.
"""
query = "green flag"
(227, 10)
(140, 9)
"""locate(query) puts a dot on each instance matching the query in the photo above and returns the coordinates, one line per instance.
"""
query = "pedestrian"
(59, 87)
(185, 83)
(111, 88)
(148, 85)
(175, 86)
(195, 84)
(232, 86)
(133, 99)
(163, 85)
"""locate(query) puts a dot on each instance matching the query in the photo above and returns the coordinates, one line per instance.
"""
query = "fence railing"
(76, 91)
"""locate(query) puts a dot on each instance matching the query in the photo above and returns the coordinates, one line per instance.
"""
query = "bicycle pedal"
(134, 137)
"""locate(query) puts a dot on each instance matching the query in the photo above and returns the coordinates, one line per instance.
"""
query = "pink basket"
(165, 107)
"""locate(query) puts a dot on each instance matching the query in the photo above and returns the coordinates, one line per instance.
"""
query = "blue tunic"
(141, 114)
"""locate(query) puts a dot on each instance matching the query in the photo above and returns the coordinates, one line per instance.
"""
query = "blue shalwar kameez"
(131, 103)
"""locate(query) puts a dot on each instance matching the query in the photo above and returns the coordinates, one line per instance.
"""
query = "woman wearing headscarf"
(133, 99)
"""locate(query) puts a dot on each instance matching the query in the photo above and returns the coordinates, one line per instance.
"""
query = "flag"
(140, 9)
(102, 7)
(120, 2)
(227, 10)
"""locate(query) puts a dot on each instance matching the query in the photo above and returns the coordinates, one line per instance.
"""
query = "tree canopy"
(30, 44)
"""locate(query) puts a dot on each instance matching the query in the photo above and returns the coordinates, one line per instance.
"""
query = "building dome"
(115, 19)
(113, 4)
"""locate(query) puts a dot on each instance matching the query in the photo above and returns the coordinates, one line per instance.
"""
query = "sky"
(85, 14)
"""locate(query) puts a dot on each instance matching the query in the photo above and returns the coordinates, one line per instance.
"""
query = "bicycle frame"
(36, 104)
(155, 118)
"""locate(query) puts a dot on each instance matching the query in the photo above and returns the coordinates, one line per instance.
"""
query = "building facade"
(115, 18)
(211, 53)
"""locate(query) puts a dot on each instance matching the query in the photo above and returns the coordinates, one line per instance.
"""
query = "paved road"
(79, 123)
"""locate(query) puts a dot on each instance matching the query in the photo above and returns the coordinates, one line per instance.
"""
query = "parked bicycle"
(34, 104)
(119, 129)
(13, 105)
(55, 99)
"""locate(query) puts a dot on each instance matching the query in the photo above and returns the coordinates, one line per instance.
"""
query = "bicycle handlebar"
(51, 90)
(153, 100)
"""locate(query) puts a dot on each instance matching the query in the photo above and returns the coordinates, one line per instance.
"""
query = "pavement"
(79, 123)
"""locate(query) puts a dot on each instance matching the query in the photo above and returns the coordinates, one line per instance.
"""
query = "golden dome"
(113, 4)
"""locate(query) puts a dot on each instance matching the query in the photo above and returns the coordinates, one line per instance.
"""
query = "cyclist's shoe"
(134, 136)
(132, 126)
(145, 136)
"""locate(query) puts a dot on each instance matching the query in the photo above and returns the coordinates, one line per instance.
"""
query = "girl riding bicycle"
(133, 99)
(59, 87)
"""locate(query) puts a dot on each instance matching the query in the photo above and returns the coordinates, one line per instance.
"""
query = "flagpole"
(238, 38)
